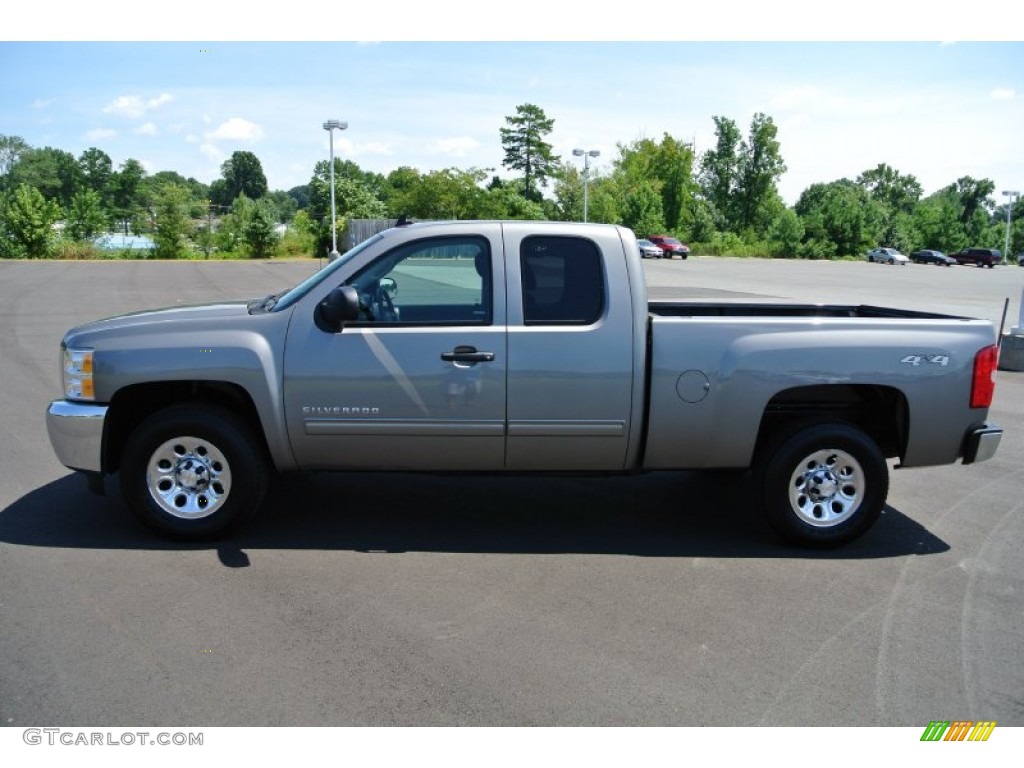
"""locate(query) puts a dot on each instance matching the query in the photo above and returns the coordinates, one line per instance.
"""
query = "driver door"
(418, 382)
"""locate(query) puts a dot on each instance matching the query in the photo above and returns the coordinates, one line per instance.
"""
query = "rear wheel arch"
(880, 412)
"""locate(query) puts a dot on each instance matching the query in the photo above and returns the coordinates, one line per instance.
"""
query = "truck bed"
(766, 309)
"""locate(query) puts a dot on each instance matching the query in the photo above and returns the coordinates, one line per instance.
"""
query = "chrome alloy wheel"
(826, 488)
(188, 477)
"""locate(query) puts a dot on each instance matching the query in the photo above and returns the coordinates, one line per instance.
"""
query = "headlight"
(77, 370)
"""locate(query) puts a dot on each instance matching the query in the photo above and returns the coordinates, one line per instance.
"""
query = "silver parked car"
(887, 256)
(649, 249)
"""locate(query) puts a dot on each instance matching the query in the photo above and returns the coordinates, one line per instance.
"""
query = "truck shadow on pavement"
(670, 514)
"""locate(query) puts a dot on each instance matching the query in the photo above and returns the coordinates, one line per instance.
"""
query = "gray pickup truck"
(517, 347)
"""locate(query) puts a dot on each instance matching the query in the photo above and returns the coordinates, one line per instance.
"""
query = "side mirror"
(340, 306)
(388, 287)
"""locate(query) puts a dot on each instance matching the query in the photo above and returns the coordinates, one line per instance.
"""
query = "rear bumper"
(76, 434)
(981, 443)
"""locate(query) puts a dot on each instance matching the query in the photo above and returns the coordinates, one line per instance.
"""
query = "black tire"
(193, 471)
(822, 485)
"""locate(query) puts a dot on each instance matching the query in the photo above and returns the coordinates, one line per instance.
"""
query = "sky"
(936, 110)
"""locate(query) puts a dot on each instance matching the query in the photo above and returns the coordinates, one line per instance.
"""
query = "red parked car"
(670, 246)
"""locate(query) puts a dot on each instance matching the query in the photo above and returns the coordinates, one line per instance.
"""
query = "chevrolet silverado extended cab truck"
(517, 347)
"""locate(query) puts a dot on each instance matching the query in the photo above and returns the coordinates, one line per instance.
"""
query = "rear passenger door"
(570, 350)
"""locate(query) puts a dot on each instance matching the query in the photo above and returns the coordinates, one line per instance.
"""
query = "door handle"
(467, 354)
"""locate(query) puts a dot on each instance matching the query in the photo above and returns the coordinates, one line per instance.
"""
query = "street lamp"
(329, 126)
(586, 155)
(1010, 193)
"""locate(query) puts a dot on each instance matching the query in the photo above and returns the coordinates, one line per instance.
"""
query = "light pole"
(586, 155)
(1010, 193)
(329, 126)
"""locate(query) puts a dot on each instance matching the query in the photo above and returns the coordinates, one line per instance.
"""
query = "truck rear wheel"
(193, 471)
(824, 485)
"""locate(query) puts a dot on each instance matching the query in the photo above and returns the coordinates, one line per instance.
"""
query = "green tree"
(86, 217)
(526, 150)
(889, 187)
(760, 167)
(29, 220)
(300, 195)
(568, 191)
(172, 221)
(937, 222)
(667, 168)
(97, 173)
(11, 150)
(54, 172)
(400, 191)
(352, 200)
(241, 174)
(301, 235)
(786, 234)
(258, 227)
(975, 202)
(838, 217)
(895, 197)
(445, 194)
(505, 202)
(283, 205)
(126, 184)
(642, 209)
(720, 172)
(674, 167)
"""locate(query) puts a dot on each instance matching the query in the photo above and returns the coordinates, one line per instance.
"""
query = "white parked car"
(887, 256)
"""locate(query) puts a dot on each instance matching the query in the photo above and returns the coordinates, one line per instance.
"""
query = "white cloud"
(457, 146)
(42, 103)
(127, 106)
(346, 147)
(211, 152)
(135, 106)
(236, 129)
(147, 129)
(100, 133)
(796, 97)
(1003, 94)
(159, 101)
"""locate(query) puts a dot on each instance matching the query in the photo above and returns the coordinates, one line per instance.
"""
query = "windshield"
(290, 297)
(670, 241)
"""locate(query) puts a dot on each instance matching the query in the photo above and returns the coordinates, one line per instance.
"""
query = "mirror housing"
(341, 306)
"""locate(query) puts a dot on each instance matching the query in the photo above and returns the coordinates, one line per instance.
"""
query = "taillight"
(983, 385)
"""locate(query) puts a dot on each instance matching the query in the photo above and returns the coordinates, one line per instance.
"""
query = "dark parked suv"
(983, 257)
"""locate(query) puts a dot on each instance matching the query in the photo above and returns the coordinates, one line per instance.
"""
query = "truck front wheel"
(193, 471)
(824, 485)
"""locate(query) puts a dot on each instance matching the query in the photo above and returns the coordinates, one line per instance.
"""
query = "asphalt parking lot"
(412, 600)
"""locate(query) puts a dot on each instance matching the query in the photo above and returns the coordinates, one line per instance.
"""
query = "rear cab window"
(563, 281)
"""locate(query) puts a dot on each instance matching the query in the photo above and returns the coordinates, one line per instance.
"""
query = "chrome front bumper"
(76, 434)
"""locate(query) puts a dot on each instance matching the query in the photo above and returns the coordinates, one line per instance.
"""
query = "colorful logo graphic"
(958, 730)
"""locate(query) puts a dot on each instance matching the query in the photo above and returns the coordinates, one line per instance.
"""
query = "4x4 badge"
(919, 359)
